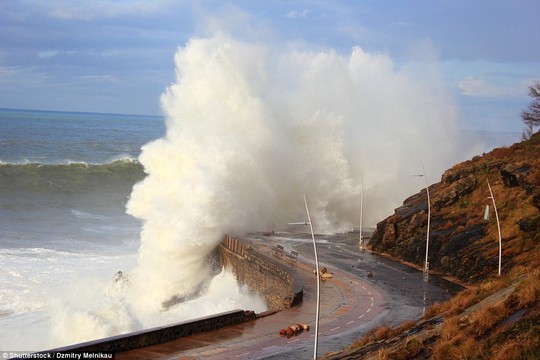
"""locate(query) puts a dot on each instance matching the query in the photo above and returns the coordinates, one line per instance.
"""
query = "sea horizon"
(81, 112)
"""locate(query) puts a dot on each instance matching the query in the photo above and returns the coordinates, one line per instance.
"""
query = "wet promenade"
(351, 304)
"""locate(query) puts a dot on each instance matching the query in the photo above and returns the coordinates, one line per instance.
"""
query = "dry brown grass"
(450, 328)
(458, 337)
(535, 178)
(491, 287)
(525, 347)
(383, 354)
(486, 318)
(411, 349)
(466, 337)
(528, 291)
(460, 302)
(460, 346)
(502, 152)
(381, 333)
(407, 326)
(376, 334)
(509, 350)
(518, 270)
(434, 310)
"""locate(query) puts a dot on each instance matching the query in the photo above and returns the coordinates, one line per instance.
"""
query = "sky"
(118, 56)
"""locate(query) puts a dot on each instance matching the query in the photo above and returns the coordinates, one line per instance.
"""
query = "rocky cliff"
(462, 243)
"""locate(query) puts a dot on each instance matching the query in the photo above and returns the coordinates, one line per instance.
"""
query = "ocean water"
(65, 180)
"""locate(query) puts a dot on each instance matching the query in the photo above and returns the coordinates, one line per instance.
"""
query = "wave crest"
(71, 177)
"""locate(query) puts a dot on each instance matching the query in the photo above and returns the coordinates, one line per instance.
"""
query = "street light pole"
(498, 225)
(318, 276)
(318, 282)
(361, 237)
(426, 263)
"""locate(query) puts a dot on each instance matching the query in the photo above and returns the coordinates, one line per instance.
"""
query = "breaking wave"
(70, 178)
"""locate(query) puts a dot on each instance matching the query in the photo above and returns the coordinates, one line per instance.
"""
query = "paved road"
(351, 304)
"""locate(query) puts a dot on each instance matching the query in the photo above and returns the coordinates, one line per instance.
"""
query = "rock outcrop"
(461, 242)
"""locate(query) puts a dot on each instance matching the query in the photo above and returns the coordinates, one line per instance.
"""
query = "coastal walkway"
(348, 302)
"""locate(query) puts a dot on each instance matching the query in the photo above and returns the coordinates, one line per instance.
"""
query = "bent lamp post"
(486, 216)
(426, 263)
(318, 278)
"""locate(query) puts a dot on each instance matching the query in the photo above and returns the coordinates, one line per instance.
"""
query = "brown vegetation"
(495, 318)
(499, 319)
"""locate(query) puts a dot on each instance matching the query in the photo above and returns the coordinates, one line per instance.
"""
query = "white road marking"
(242, 355)
(334, 328)
(291, 341)
(361, 316)
(371, 299)
(350, 322)
(368, 310)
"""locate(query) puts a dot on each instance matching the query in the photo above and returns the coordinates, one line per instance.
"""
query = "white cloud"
(471, 86)
(298, 14)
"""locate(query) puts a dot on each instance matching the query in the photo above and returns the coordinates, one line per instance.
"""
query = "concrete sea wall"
(278, 284)
(160, 335)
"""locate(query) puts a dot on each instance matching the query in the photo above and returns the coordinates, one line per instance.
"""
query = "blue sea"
(65, 178)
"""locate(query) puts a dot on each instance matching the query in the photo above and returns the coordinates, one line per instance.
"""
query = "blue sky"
(118, 56)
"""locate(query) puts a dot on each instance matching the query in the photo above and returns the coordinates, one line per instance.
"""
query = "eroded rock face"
(512, 175)
(455, 191)
(462, 243)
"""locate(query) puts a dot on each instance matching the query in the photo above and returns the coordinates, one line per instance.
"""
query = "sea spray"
(250, 129)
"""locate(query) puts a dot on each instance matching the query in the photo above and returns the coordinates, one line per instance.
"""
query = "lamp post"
(426, 263)
(498, 223)
(361, 237)
(318, 277)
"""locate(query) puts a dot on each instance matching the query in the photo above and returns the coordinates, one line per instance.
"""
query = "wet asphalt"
(406, 294)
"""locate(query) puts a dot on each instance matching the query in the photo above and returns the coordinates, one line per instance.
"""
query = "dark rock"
(512, 175)
(529, 225)
(536, 201)
(455, 191)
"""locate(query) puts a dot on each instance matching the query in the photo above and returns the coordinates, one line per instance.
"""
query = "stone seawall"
(277, 283)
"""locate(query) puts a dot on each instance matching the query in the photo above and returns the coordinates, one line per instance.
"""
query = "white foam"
(88, 215)
(34, 284)
(251, 129)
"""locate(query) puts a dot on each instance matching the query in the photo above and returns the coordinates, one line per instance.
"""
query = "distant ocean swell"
(70, 178)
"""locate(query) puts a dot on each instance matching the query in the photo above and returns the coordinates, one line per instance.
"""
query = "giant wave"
(71, 178)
